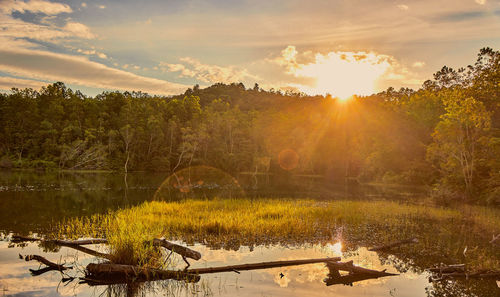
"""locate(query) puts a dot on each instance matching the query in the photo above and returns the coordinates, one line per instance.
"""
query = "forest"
(445, 135)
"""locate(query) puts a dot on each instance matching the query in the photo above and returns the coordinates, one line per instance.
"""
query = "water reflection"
(30, 200)
(198, 182)
(304, 280)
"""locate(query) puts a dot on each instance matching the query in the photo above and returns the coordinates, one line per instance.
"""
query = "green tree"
(460, 142)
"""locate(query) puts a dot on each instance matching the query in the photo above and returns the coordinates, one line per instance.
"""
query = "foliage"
(444, 134)
(460, 142)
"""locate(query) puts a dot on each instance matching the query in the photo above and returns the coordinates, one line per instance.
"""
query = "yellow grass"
(231, 222)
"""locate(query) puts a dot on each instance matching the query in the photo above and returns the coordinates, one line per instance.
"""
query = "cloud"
(78, 30)
(341, 73)
(78, 70)
(6, 83)
(101, 6)
(480, 2)
(418, 64)
(16, 28)
(84, 4)
(34, 6)
(403, 6)
(93, 52)
(207, 73)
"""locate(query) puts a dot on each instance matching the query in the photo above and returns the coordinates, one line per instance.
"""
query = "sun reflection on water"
(336, 248)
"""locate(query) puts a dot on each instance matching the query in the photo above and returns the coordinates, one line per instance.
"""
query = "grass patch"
(229, 223)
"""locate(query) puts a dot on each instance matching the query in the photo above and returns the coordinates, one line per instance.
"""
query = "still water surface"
(31, 201)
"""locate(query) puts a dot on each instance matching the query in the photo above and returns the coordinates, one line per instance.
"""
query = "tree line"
(445, 134)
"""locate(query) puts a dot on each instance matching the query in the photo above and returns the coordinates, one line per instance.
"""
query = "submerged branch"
(179, 249)
(78, 245)
(104, 273)
(74, 244)
(19, 238)
(356, 273)
(48, 263)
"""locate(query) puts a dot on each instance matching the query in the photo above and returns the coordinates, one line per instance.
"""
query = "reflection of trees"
(34, 200)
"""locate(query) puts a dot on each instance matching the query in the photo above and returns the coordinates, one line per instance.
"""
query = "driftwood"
(51, 266)
(356, 273)
(394, 244)
(106, 273)
(448, 268)
(74, 244)
(89, 251)
(48, 263)
(77, 244)
(262, 265)
(19, 238)
(98, 274)
(477, 274)
(179, 249)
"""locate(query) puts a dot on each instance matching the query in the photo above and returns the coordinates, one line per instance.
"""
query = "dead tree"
(355, 273)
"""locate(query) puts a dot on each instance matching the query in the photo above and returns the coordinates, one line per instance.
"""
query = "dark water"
(31, 201)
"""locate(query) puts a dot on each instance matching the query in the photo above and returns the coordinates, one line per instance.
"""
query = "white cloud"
(93, 52)
(35, 6)
(341, 73)
(16, 28)
(6, 83)
(207, 73)
(78, 30)
(418, 64)
(78, 70)
(403, 7)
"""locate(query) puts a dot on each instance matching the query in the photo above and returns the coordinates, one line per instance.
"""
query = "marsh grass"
(230, 223)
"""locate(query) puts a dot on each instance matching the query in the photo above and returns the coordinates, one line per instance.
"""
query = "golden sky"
(317, 46)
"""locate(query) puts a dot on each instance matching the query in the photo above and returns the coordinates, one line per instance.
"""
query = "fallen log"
(37, 272)
(349, 279)
(179, 249)
(77, 244)
(80, 241)
(19, 238)
(118, 273)
(477, 274)
(46, 262)
(356, 273)
(89, 251)
(394, 244)
(262, 265)
(448, 268)
(97, 274)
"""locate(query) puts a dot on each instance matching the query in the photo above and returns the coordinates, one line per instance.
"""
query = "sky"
(166, 46)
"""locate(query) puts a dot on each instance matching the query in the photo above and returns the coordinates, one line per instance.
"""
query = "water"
(31, 201)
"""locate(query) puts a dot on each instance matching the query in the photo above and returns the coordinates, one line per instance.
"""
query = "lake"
(33, 202)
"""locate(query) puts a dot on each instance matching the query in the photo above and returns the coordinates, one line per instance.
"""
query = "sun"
(344, 74)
